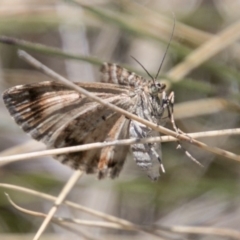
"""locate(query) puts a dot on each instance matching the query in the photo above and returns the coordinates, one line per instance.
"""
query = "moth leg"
(154, 153)
(159, 159)
(169, 101)
(171, 116)
(170, 106)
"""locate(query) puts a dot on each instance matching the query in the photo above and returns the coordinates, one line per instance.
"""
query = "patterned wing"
(61, 117)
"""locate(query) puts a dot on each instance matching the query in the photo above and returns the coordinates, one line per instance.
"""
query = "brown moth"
(60, 117)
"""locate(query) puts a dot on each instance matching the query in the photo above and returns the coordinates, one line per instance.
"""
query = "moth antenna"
(144, 69)
(169, 42)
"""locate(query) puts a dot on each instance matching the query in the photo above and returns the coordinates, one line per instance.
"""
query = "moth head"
(156, 88)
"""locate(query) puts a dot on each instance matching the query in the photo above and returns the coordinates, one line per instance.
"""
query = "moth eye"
(154, 89)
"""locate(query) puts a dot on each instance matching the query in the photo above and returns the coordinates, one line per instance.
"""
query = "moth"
(60, 117)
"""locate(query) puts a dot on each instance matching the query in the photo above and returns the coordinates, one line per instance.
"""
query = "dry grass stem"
(86, 147)
(70, 220)
(62, 222)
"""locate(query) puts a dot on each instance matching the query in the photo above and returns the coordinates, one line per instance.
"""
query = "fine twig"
(85, 147)
(87, 223)
(62, 222)
(73, 205)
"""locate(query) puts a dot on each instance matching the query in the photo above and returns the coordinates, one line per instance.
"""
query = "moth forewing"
(60, 117)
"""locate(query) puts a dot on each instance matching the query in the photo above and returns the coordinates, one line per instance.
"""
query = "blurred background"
(206, 98)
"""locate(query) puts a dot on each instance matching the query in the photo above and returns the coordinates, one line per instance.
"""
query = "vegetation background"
(206, 96)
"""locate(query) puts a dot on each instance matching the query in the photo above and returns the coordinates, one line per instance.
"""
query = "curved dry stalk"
(85, 147)
(48, 197)
(56, 220)
(54, 75)
(70, 220)
(24, 210)
(62, 221)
